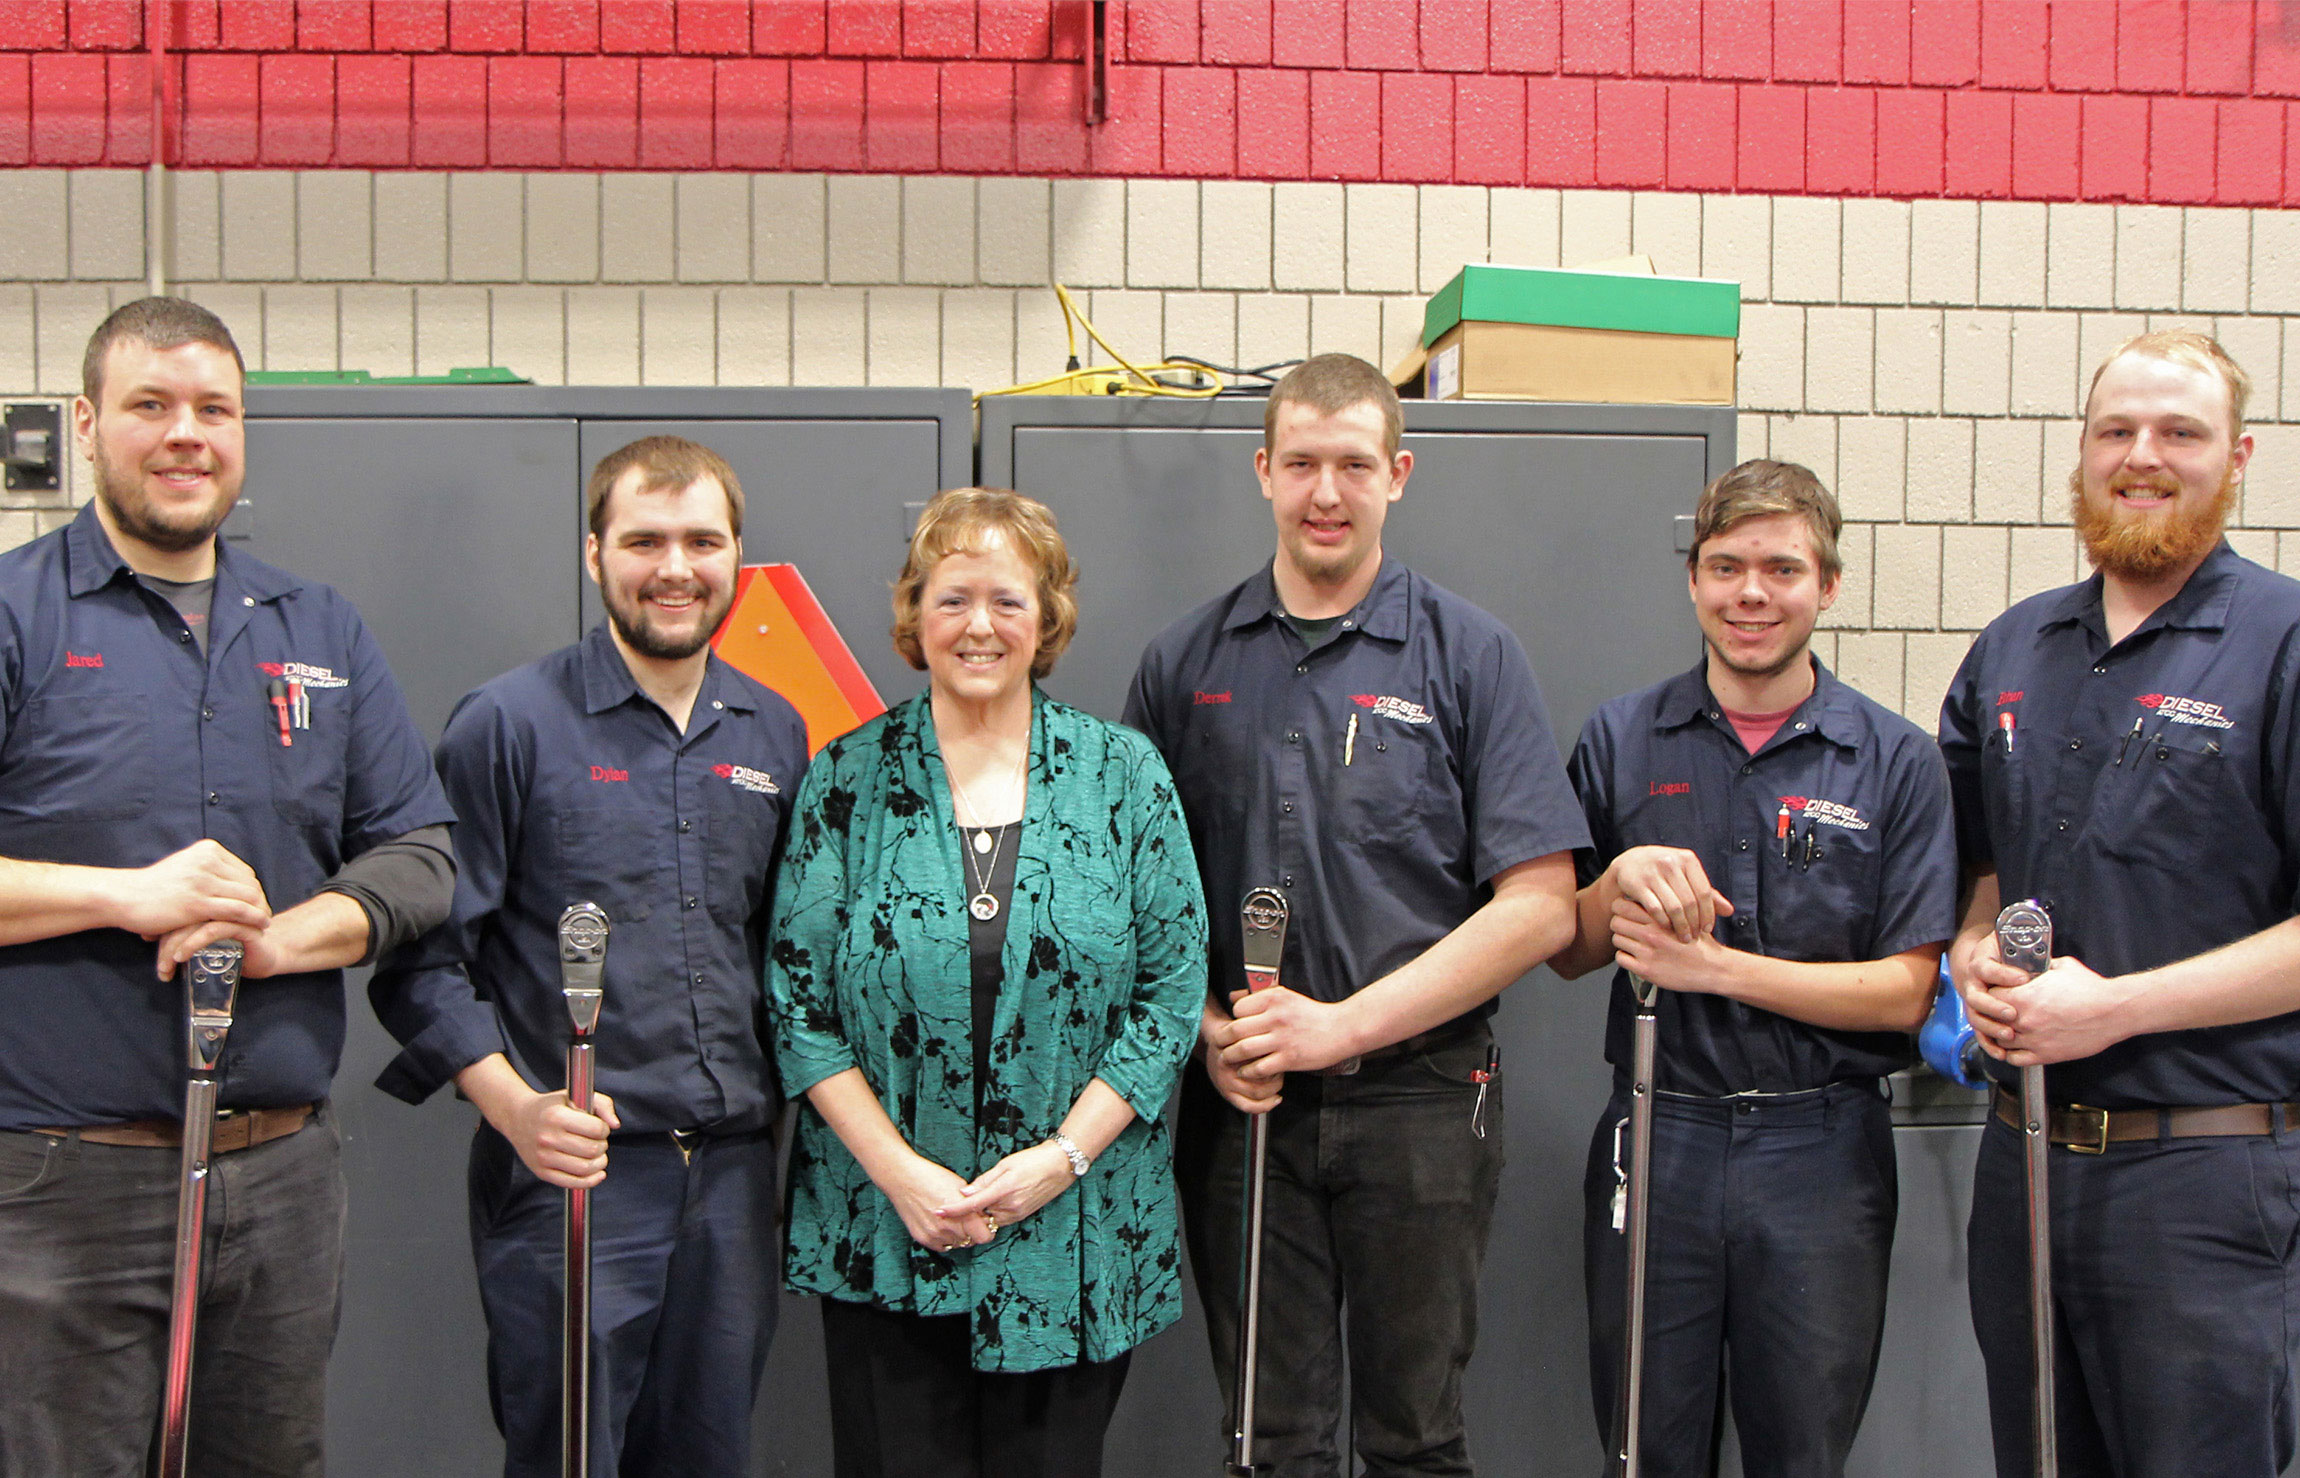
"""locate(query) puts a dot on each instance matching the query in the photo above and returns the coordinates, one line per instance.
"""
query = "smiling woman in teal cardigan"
(1102, 971)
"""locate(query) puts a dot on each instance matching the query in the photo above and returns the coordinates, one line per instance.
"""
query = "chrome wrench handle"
(211, 990)
(583, 931)
(2024, 940)
(1262, 918)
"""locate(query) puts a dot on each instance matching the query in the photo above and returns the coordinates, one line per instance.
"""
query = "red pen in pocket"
(277, 692)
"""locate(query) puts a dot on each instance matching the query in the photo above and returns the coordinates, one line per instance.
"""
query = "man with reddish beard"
(1775, 852)
(157, 784)
(637, 771)
(2126, 751)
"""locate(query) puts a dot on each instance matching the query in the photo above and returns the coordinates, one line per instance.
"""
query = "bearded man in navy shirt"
(2126, 752)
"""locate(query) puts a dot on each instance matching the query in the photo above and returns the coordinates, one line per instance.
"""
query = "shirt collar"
(2201, 604)
(92, 562)
(1384, 611)
(1831, 708)
(607, 679)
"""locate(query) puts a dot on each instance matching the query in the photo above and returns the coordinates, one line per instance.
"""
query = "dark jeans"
(2176, 1310)
(1769, 1246)
(1378, 1202)
(683, 1300)
(907, 1402)
(87, 1267)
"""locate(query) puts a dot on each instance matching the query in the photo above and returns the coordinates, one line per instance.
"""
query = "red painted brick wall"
(2155, 100)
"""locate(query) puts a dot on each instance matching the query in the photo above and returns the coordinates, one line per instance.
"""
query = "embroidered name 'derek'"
(2186, 711)
(1397, 708)
(743, 777)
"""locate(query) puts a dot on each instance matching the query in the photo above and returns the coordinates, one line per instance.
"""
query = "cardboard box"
(1531, 333)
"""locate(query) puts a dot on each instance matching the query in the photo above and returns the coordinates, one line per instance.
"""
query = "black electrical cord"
(1267, 374)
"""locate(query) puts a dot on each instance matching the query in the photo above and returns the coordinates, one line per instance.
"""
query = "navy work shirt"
(2153, 844)
(1381, 781)
(1664, 767)
(121, 744)
(573, 786)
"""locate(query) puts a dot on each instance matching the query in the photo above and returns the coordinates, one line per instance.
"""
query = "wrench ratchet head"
(1262, 918)
(2024, 936)
(583, 963)
(211, 987)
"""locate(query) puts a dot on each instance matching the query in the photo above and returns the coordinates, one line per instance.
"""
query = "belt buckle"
(2100, 1131)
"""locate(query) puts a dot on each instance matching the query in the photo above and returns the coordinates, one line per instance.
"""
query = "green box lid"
(466, 375)
(1568, 299)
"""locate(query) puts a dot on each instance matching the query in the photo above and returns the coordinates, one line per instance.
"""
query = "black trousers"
(906, 1402)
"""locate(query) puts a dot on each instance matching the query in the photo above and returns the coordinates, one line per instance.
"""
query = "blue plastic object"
(1946, 1041)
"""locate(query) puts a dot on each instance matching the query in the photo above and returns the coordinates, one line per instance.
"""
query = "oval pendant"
(981, 842)
(983, 907)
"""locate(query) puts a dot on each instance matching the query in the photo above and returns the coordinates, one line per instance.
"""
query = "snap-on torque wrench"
(1644, 1044)
(1263, 918)
(211, 986)
(582, 966)
(2024, 939)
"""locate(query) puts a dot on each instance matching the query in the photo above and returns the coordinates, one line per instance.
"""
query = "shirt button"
(2061, 825)
(2076, 744)
(715, 703)
(686, 826)
(1800, 728)
(1301, 667)
(2097, 671)
(689, 901)
(1294, 738)
(1287, 880)
(215, 799)
(183, 635)
(248, 601)
(207, 713)
(1748, 769)
(1742, 845)
(698, 977)
(1346, 625)
(1289, 808)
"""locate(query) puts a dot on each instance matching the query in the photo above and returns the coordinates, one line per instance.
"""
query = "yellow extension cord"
(1126, 378)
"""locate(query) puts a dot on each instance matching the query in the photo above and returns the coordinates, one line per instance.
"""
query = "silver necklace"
(984, 904)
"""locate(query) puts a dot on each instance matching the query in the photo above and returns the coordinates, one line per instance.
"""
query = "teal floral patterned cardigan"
(1105, 962)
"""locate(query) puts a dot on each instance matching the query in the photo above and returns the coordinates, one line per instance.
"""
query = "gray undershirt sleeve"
(404, 886)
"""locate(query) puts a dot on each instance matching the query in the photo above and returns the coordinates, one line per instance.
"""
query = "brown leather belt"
(2088, 1131)
(236, 1129)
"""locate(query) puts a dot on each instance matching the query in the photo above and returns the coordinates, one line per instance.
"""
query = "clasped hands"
(943, 1213)
(2065, 1013)
(191, 898)
(1268, 1034)
(1664, 916)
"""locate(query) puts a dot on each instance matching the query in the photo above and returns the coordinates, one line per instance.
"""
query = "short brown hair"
(2197, 351)
(963, 520)
(1330, 384)
(667, 464)
(1760, 488)
(161, 323)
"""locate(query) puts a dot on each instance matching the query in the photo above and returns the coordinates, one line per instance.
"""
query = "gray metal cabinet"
(1568, 522)
(453, 518)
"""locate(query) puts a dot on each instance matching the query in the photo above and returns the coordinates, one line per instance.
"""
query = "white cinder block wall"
(1925, 358)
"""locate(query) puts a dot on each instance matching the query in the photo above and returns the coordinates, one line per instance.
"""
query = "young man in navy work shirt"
(150, 790)
(1776, 853)
(2126, 751)
(1373, 746)
(637, 771)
